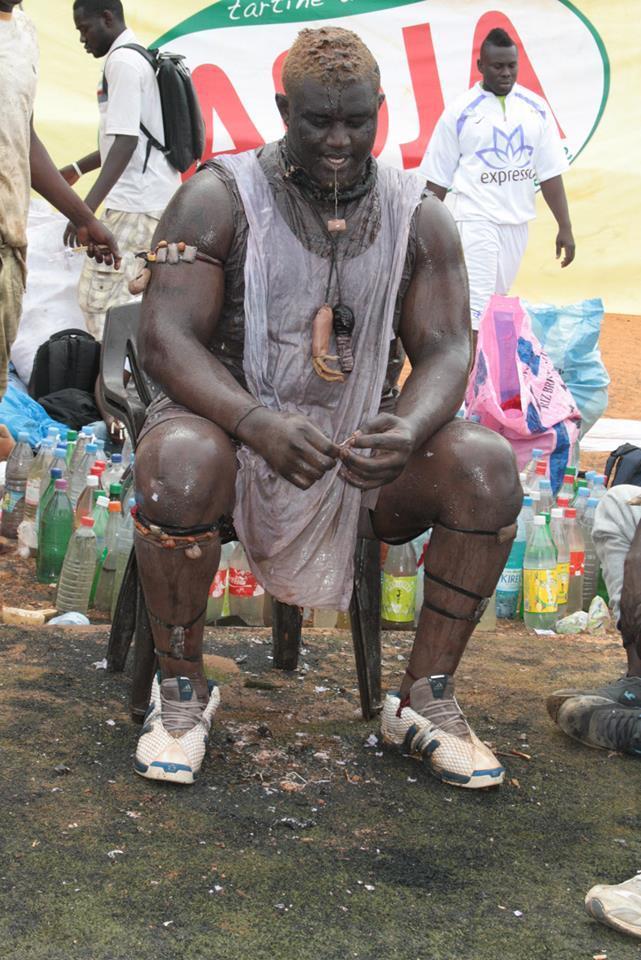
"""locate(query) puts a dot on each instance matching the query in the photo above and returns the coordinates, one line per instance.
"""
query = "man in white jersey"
(25, 164)
(490, 147)
(136, 181)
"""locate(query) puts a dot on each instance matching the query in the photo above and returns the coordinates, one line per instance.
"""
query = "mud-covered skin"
(428, 467)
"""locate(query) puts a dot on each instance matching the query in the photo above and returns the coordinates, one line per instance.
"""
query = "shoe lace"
(446, 714)
(179, 716)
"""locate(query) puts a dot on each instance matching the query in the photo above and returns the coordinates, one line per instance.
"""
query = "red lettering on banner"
(426, 85)
(216, 93)
(527, 75)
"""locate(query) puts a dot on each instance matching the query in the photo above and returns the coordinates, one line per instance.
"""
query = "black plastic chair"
(129, 403)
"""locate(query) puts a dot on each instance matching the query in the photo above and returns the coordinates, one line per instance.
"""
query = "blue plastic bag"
(570, 337)
(19, 411)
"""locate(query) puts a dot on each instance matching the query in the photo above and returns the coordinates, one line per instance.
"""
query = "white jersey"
(491, 151)
(132, 96)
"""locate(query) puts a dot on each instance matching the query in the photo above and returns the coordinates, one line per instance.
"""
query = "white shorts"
(493, 254)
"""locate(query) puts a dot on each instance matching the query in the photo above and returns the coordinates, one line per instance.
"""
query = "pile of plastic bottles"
(64, 505)
(553, 569)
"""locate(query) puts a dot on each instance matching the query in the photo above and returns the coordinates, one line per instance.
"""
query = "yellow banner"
(603, 184)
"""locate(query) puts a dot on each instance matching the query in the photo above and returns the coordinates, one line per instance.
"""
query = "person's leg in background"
(100, 286)
(513, 241)
(609, 717)
(12, 281)
(481, 248)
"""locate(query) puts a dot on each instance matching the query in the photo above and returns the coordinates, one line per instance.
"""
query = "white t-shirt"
(18, 76)
(132, 97)
(490, 157)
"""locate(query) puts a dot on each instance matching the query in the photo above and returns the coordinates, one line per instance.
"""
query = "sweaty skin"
(429, 466)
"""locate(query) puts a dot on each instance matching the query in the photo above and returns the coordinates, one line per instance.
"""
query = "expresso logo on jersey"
(507, 148)
(505, 176)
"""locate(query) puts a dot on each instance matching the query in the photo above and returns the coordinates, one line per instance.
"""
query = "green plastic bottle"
(55, 532)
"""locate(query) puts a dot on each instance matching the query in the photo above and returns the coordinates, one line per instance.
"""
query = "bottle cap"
(87, 521)
(61, 450)
(115, 489)
(592, 501)
(599, 479)
(131, 502)
(72, 435)
(92, 480)
(100, 465)
(91, 448)
(536, 453)
(568, 478)
(527, 501)
(23, 436)
(114, 506)
(570, 513)
(541, 468)
(102, 501)
(56, 473)
(116, 458)
(544, 484)
(563, 501)
(583, 492)
(582, 483)
(556, 513)
(60, 484)
(539, 520)
(87, 431)
(571, 471)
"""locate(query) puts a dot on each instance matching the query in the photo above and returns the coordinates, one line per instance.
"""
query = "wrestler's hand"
(391, 441)
(565, 245)
(291, 444)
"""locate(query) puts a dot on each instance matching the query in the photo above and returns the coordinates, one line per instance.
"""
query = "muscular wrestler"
(277, 348)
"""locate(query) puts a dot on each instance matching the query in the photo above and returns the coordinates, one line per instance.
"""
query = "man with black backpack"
(136, 179)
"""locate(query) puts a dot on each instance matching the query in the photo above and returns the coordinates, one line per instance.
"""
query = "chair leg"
(366, 625)
(286, 632)
(145, 660)
(124, 621)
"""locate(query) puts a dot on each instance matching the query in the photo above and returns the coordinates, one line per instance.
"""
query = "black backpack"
(182, 118)
(70, 358)
(624, 464)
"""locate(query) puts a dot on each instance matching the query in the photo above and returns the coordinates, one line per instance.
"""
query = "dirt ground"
(305, 838)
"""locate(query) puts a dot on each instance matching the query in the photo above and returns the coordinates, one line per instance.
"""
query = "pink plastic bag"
(515, 390)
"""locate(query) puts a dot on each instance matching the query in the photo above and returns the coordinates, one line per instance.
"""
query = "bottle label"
(11, 500)
(398, 598)
(540, 591)
(563, 583)
(32, 493)
(577, 563)
(218, 584)
(243, 583)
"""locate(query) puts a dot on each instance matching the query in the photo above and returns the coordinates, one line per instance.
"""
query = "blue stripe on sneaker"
(495, 772)
(139, 766)
(170, 767)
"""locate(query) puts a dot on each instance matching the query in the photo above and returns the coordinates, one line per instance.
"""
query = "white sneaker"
(433, 726)
(618, 905)
(175, 731)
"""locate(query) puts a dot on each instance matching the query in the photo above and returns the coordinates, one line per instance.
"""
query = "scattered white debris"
(110, 723)
(372, 741)
(100, 664)
(112, 854)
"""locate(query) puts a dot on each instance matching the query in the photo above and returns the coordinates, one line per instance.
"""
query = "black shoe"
(608, 718)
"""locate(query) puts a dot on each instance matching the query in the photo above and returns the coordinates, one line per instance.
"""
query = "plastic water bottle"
(84, 437)
(81, 472)
(527, 515)
(37, 479)
(100, 516)
(60, 459)
(398, 593)
(592, 565)
(547, 500)
(78, 569)
(508, 589)
(559, 538)
(124, 546)
(581, 502)
(598, 487)
(245, 592)
(219, 588)
(87, 499)
(15, 485)
(106, 580)
(576, 544)
(540, 473)
(56, 527)
(539, 579)
(530, 468)
(567, 487)
(113, 473)
(589, 476)
(127, 451)
(55, 473)
(421, 546)
(487, 623)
